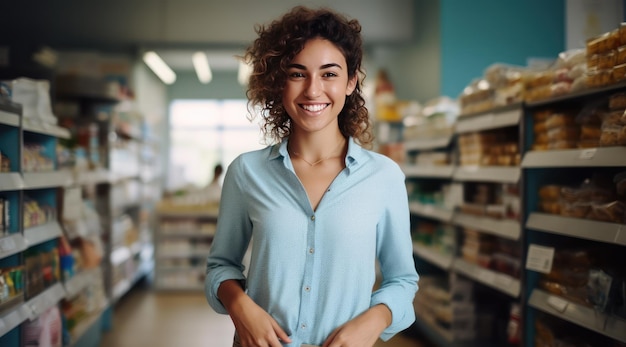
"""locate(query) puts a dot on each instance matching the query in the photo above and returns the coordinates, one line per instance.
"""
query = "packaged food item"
(599, 78)
(590, 132)
(541, 116)
(619, 73)
(612, 118)
(593, 46)
(607, 60)
(562, 145)
(613, 212)
(610, 135)
(593, 61)
(550, 192)
(559, 120)
(552, 207)
(621, 138)
(621, 55)
(589, 143)
(575, 210)
(620, 183)
(566, 133)
(617, 102)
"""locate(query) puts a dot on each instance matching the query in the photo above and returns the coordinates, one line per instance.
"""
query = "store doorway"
(204, 133)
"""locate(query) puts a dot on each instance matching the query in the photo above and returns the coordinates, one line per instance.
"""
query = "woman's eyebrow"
(325, 66)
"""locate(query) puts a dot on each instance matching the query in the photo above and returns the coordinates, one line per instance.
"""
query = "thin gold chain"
(318, 161)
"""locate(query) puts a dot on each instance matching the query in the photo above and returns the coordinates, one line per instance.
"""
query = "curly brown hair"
(277, 45)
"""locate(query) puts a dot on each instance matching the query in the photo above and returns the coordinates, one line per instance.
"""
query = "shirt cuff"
(401, 307)
(212, 282)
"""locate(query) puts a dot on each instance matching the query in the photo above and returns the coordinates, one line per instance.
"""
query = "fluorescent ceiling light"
(203, 70)
(243, 75)
(159, 67)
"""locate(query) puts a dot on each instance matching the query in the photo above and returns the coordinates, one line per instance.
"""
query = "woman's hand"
(254, 326)
(362, 331)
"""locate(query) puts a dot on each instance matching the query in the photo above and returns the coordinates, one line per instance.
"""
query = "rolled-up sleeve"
(231, 238)
(395, 254)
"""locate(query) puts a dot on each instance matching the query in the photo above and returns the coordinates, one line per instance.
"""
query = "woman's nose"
(313, 88)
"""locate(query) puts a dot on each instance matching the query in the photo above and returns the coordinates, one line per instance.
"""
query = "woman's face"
(317, 86)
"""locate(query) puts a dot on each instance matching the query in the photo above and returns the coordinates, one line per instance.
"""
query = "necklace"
(320, 160)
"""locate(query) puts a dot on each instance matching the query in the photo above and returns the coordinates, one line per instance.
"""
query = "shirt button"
(303, 326)
(307, 288)
(313, 217)
(311, 250)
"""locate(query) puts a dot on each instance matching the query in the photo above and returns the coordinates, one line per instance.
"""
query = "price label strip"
(540, 258)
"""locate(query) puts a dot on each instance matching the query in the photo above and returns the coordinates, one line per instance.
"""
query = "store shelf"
(189, 214)
(441, 337)
(577, 95)
(612, 233)
(507, 228)
(86, 324)
(191, 235)
(80, 281)
(123, 286)
(39, 127)
(180, 287)
(13, 318)
(434, 257)
(42, 233)
(431, 211)
(427, 144)
(42, 180)
(499, 174)
(92, 177)
(181, 269)
(42, 302)
(428, 171)
(10, 181)
(583, 316)
(495, 119)
(9, 106)
(12, 244)
(591, 157)
(9, 118)
(120, 255)
(498, 281)
(183, 254)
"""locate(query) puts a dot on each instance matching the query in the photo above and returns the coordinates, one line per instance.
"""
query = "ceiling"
(219, 60)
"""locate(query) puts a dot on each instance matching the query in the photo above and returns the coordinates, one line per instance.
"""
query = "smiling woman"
(321, 208)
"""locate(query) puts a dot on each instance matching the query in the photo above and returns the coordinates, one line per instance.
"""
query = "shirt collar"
(355, 156)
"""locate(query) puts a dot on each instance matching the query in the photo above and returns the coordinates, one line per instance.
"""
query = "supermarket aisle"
(145, 317)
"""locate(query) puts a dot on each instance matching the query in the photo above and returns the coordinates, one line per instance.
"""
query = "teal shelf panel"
(13, 318)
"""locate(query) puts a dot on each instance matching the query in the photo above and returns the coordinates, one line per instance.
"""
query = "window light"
(203, 69)
(159, 67)
(243, 75)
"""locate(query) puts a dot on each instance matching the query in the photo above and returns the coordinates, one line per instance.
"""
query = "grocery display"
(183, 241)
(76, 218)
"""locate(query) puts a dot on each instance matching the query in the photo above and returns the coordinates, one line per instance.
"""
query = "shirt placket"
(306, 303)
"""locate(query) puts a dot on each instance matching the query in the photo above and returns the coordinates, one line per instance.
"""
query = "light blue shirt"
(313, 270)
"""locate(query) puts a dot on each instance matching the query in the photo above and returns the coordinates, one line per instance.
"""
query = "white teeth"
(314, 108)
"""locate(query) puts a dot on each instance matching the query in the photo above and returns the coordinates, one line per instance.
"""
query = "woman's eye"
(330, 74)
(296, 75)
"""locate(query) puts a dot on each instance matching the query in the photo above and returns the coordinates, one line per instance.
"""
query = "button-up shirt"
(314, 270)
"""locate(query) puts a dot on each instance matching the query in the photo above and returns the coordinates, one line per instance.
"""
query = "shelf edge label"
(540, 258)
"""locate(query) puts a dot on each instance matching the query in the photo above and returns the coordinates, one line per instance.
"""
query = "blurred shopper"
(321, 208)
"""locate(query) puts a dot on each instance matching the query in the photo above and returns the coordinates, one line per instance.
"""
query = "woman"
(320, 207)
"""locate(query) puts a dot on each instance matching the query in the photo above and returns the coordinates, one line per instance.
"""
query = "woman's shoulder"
(253, 157)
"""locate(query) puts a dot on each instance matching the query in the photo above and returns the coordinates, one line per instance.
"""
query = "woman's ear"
(351, 85)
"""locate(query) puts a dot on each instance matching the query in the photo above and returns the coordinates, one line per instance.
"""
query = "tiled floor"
(148, 318)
